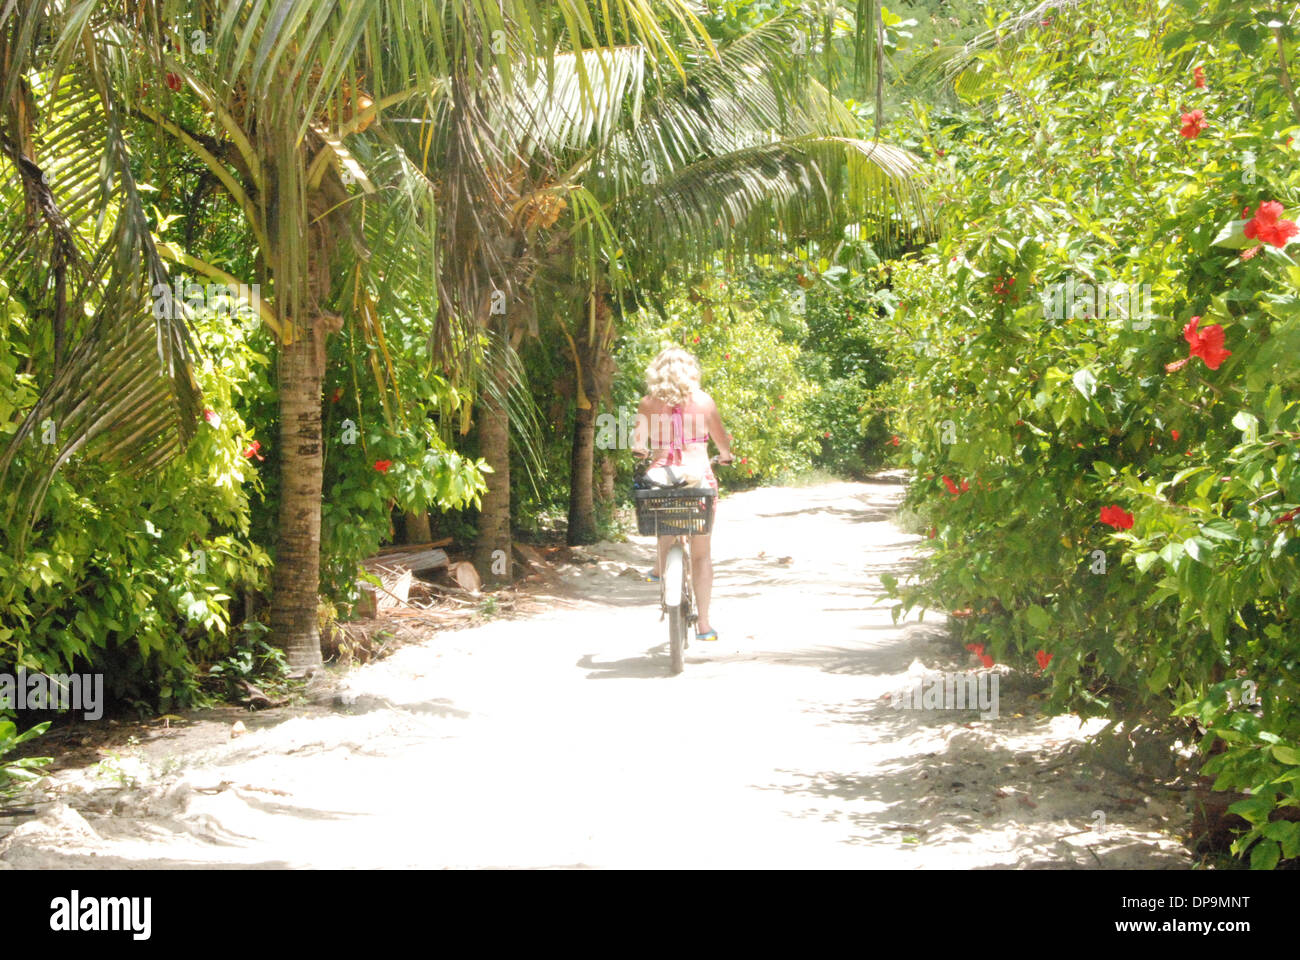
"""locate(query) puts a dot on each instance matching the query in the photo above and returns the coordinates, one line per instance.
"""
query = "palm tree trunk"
(296, 578)
(492, 550)
(582, 505)
(608, 473)
(594, 370)
(418, 529)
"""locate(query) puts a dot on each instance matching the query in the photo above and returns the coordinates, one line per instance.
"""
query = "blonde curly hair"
(672, 376)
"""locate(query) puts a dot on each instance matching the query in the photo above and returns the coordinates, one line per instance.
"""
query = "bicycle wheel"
(674, 582)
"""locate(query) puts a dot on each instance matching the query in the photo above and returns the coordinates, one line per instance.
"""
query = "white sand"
(559, 740)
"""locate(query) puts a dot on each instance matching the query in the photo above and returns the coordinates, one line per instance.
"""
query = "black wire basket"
(674, 511)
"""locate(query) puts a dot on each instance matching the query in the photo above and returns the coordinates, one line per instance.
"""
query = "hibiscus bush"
(1099, 384)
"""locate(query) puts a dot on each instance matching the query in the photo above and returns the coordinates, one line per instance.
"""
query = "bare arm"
(719, 433)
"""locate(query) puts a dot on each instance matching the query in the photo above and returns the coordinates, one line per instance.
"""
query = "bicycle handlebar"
(716, 458)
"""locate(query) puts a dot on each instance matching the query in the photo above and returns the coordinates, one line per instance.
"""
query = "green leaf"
(1248, 424)
(1220, 530)
(1252, 809)
(1286, 754)
(1233, 236)
(1264, 855)
(1085, 382)
(1038, 617)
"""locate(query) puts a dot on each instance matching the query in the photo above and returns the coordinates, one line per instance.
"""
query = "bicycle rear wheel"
(675, 587)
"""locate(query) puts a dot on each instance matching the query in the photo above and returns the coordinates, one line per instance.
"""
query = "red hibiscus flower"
(1043, 658)
(986, 660)
(827, 434)
(338, 393)
(1267, 228)
(173, 81)
(952, 487)
(252, 451)
(1117, 517)
(1206, 344)
(976, 648)
(894, 440)
(934, 531)
(1193, 124)
(1174, 434)
(1198, 77)
(211, 417)
(383, 465)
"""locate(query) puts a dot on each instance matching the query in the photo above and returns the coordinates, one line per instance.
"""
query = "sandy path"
(559, 740)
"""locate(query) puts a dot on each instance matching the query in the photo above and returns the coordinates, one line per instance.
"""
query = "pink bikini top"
(679, 441)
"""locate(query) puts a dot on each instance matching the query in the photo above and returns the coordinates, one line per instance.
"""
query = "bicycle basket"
(674, 511)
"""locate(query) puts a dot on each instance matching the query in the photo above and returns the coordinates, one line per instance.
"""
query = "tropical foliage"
(284, 283)
(1097, 383)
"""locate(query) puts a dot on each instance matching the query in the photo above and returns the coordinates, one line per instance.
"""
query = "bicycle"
(678, 512)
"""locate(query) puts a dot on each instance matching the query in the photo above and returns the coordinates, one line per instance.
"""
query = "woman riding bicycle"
(676, 420)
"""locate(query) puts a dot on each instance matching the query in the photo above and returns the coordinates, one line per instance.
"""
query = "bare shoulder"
(704, 400)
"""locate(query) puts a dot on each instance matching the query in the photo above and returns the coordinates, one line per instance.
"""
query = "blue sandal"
(711, 635)
(651, 578)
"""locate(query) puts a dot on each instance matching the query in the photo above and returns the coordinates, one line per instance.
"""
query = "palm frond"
(125, 391)
(960, 66)
(761, 197)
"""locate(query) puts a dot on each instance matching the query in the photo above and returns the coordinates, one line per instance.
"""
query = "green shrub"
(1090, 497)
(129, 576)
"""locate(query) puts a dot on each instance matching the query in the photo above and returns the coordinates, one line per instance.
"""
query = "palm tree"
(300, 102)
